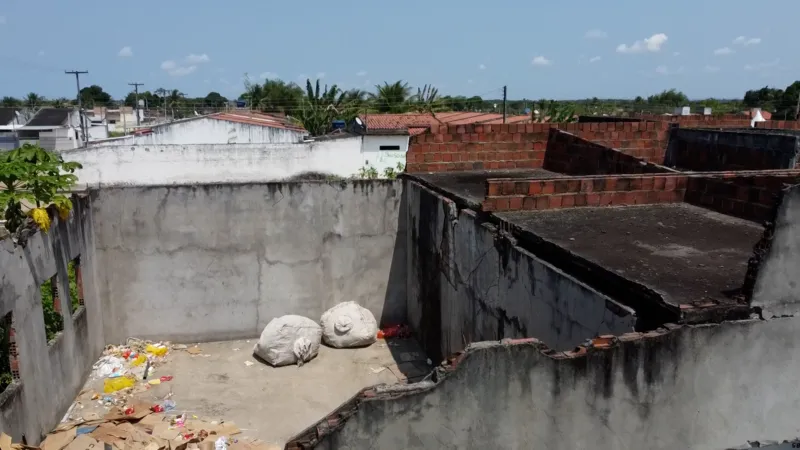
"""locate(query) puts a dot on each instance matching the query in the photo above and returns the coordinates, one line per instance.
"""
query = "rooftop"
(7, 115)
(49, 117)
(418, 123)
(255, 118)
(688, 254)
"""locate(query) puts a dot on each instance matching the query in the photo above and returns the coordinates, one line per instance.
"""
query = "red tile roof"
(256, 118)
(418, 123)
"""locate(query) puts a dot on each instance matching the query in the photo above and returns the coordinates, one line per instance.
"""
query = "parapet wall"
(522, 146)
(684, 388)
(703, 150)
(216, 262)
(47, 375)
(469, 282)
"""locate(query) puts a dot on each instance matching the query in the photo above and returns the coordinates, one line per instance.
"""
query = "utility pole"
(78, 74)
(797, 108)
(136, 89)
(505, 91)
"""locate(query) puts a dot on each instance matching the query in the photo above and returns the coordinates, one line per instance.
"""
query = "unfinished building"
(604, 285)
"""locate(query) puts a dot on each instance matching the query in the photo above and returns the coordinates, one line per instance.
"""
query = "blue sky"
(561, 50)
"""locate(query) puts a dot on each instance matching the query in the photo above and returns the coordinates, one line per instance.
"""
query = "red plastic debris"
(188, 436)
(166, 378)
(126, 353)
(157, 408)
(129, 411)
(394, 331)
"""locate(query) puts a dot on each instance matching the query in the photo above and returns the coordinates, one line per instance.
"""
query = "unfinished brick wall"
(522, 146)
(779, 124)
(513, 195)
(747, 196)
(569, 154)
(700, 121)
(719, 150)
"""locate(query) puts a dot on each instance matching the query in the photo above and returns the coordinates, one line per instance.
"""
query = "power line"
(136, 89)
(78, 74)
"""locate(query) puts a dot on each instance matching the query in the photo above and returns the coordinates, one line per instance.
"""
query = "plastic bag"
(349, 325)
(289, 340)
(115, 384)
(158, 350)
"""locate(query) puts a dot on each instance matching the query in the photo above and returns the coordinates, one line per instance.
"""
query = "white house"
(235, 127)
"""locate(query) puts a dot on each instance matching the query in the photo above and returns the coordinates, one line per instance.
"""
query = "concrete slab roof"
(471, 185)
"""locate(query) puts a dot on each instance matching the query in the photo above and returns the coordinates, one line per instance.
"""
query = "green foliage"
(367, 172)
(94, 95)
(53, 321)
(34, 100)
(427, 100)
(392, 172)
(554, 112)
(391, 98)
(669, 97)
(9, 102)
(32, 175)
(214, 99)
(318, 110)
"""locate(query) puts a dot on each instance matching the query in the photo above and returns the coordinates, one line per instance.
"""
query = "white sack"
(349, 325)
(289, 340)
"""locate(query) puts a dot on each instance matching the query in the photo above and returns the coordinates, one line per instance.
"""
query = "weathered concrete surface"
(268, 403)
(469, 283)
(688, 388)
(777, 289)
(50, 374)
(713, 150)
(216, 262)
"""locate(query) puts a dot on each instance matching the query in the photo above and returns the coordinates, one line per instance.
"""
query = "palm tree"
(391, 98)
(318, 110)
(32, 100)
(61, 103)
(427, 99)
(10, 101)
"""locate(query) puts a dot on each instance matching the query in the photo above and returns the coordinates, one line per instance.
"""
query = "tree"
(214, 99)
(318, 110)
(273, 96)
(786, 105)
(94, 95)
(30, 174)
(34, 100)
(9, 102)
(671, 97)
(61, 102)
(391, 98)
(765, 97)
(427, 99)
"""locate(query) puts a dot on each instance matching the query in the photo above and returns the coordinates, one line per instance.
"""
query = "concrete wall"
(467, 283)
(50, 374)
(215, 262)
(705, 387)
(777, 290)
(212, 131)
(144, 165)
(715, 150)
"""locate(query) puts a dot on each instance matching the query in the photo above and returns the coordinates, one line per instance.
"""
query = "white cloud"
(744, 40)
(762, 65)
(182, 71)
(125, 52)
(596, 34)
(711, 69)
(482, 66)
(320, 75)
(662, 70)
(361, 73)
(651, 44)
(168, 65)
(676, 53)
(196, 59)
(595, 59)
(739, 40)
(752, 41)
(723, 51)
(268, 75)
(541, 61)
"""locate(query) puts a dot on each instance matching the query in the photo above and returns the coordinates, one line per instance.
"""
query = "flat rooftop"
(223, 381)
(688, 254)
(471, 185)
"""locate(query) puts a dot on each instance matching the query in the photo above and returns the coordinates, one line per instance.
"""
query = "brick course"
(522, 146)
(748, 197)
(569, 154)
(720, 150)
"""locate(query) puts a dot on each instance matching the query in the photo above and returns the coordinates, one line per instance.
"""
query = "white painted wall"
(381, 159)
(213, 163)
(212, 131)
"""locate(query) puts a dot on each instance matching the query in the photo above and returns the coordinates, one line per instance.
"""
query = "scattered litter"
(169, 405)
(377, 369)
(106, 366)
(194, 350)
(394, 331)
(348, 325)
(154, 381)
(157, 350)
(85, 430)
(221, 444)
(236, 349)
(115, 384)
(179, 347)
(141, 359)
(248, 363)
(166, 378)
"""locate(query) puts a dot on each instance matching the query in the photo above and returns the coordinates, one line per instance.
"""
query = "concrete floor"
(272, 404)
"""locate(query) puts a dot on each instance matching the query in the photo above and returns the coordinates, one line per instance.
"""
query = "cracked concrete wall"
(214, 262)
(469, 283)
(777, 289)
(50, 374)
(689, 388)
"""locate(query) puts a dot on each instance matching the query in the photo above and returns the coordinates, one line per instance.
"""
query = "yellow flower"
(41, 218)
(63, 211)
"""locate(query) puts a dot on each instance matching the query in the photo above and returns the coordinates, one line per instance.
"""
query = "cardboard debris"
(59, 439)
(194, 350)
(83, 442)
(5, 442)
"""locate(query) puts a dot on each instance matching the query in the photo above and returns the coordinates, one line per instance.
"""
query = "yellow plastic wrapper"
(139, 361)
(157, 351)
(116, 384)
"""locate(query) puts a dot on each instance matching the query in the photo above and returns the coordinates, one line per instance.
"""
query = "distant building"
(53, 129)
(239, 127)
(122, 119)
(10, 120)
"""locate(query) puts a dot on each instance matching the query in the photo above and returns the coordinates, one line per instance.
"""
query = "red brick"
(493, 189)
(502, 204)
(592, 199)
(529, 203)
(659, 183)
(580, 200)
(548, 187)
(556, 201)
(543, 202)
(515, 203)
(586, 185)
(567, 201)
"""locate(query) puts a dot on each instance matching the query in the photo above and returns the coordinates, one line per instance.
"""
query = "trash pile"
(293, 339)
(138, 428)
